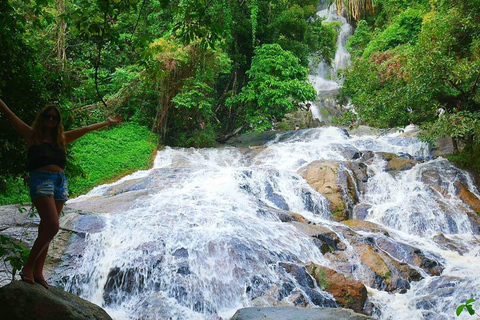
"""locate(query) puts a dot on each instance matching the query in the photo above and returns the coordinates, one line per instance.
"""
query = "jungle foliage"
(416, 61)
(174, 67)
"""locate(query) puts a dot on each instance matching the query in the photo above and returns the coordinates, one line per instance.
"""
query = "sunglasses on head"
(51, 117)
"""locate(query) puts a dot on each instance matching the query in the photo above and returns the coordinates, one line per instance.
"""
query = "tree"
(422, 65)
(21, 85)
(277, 83)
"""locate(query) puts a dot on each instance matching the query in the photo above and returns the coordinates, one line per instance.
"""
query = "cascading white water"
(324, 77)
(203, 237)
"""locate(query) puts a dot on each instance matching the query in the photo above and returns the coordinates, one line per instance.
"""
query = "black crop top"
(44, 154)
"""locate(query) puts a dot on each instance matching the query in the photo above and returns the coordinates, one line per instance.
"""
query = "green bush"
(13, 190)
(106, 155)
(360, 39)
(404, 30)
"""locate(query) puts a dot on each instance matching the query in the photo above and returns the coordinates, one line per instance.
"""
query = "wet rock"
(367, 155)
(349, 293)
(302, 118)
(311, 204)
(275, 198)
(293, 313)
(360, 211)
(325, 239)
(363, 225)
(289, 216)
(257, 286)
(360, 174)
(434, 294)
(377, 268)
(106, 204)
(449, 244)
(307, 283)
(472, 201)
(383, 272)
(265, 210)
(440, 177)
(348, 151)
(411, 255)
(122, 280)
(342, 262)
(362, 130)
(443, 147)
(396, 163)
(334, 181)
(23, 301)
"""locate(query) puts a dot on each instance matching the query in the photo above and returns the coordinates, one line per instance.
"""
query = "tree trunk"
(62, 29)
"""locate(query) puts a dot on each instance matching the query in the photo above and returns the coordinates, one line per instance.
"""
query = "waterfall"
(201, 234)
(324, 77)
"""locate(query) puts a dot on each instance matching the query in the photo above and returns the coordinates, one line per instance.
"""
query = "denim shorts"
(48, 184)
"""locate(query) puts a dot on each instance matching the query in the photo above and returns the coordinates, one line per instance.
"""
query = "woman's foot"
(42, 282)
(26, 278)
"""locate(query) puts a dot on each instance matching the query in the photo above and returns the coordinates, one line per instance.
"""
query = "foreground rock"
(291, 313)
(23, 301)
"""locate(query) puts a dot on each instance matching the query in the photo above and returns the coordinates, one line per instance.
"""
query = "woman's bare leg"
(40, 262)
(47, 210)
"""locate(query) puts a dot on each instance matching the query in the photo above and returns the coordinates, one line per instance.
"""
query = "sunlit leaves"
(277, 83)
(199, 20)
(420, 62)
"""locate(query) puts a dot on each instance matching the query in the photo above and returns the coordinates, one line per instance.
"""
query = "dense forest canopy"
(418, 61)
(194, 71)
(156, 62)
(175, 67)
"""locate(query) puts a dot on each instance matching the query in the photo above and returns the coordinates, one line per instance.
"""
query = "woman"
(46, 159)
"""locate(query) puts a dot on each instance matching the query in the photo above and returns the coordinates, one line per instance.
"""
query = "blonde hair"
(39, 128)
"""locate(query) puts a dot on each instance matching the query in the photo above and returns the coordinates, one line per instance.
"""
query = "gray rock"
(360, 211)
(18, 225)
(24, 301)
(292, 313)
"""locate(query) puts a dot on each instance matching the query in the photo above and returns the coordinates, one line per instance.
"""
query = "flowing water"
(324, 76)
(201, 236)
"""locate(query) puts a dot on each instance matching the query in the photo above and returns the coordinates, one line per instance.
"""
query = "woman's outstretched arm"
(21, 127)
(73, 135)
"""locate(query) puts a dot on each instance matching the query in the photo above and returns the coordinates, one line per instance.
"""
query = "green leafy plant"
(467, 305)
(12, 250)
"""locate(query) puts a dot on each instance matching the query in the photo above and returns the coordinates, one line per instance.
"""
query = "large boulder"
(293, 313)
(470, 199)
(348, 293)
(336, 182)
(378, 269)
(24, 301)
(449, 182)
(383, 272)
